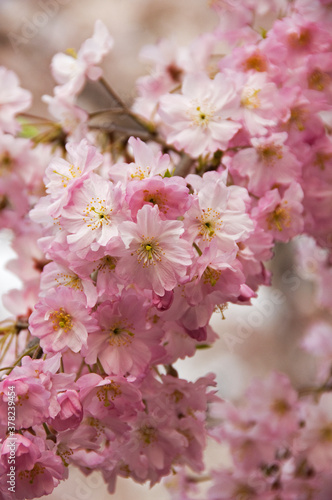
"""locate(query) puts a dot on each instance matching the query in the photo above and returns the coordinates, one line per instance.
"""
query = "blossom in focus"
(156, 256)
(147, 163)
(93, 215)
(62, 176)
(218, 212)
(199, 120)
(61, 320)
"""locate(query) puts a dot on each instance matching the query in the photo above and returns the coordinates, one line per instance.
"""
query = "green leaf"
(167, 173)
(27, 131)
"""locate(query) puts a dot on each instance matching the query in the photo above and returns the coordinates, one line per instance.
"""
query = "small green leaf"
(167, 173)
(27, 131)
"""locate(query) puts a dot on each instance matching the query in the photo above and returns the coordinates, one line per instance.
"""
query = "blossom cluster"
(126, 246)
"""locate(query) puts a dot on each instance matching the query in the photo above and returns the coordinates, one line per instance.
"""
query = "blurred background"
(32, 31)
(253, 340)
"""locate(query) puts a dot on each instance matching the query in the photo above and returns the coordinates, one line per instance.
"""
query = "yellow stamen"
(250, 98)
(279, 218)
(61, 320)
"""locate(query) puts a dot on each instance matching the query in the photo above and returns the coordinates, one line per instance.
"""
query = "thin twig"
(149, 127)
(114, 111)
(112, 127)
(35, 117)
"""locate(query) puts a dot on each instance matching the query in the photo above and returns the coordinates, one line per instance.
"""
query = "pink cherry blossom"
(260, 104)
(127, 246)
(170, 64)
(63, 176)
(110, 396)
(217, 213)
(71, 412)
(170, 194)
(102, 266)
(274, 404)
(42, 478)
(125, 342)
(156, 256)
(199, 120)
(92, 217)
(61, 320)
(71, 70)
(55, 275)
(267, 164)
(281, 215)
(26, 452)
(147, 163)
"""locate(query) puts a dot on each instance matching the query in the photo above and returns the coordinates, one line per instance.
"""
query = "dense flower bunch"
(128, 242)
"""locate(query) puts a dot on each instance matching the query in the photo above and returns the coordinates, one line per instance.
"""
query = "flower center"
(210, 223)
(300, 40)
(148, 434)
(211, 276)
(61, 320)
(269, 153)
(64, 453)
(177, 396)
(298, 118)
(6, 162)
(326, 433)
(107, 263)
(71, 52)
(174, 72)
(321, 159)
(75, 171)
(21, 398)
(279, 218)
(120, 334)
(280, 406)
(318, 80)
(202, 114)
(96, 424)
(149, 252)
(156, 198)
(250, 99)
(30, 475)
(140, 173)
(256, 61)
(107, 391)
(96, 214)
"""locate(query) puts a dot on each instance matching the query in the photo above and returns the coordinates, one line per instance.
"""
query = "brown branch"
(140, 121)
